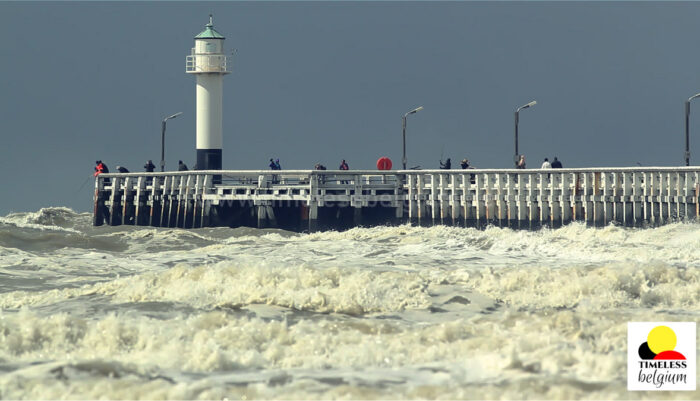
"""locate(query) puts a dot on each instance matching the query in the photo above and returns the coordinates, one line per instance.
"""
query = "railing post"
(412, 198)
(167, 203)
(565, 198)
(466, 199)
(206, 204)
(533, 214)
(197, 202)
(501, 190)
(156, 201)
(543, 199)
(491, 196)
(687, 195)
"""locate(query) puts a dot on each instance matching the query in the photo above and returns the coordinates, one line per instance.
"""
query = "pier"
(303, 200)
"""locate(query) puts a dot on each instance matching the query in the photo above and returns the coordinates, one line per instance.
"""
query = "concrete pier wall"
(320, 200)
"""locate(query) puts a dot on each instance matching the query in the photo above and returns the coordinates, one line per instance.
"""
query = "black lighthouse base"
(208, 159)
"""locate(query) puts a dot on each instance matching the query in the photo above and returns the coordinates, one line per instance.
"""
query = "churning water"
(388, 312)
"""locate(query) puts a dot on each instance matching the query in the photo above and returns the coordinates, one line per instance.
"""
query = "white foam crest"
(602, 287)
(50, 218)
(574, 243)
(516, 349)
(300, 287)
(33, 226)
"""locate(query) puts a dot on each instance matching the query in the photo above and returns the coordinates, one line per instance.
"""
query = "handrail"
(406, 172)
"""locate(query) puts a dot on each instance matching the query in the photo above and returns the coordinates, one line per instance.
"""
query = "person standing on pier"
(181, 166)
(101, 168)
(556, 163)
(122, 169)
(521, 162)
(344, 166)
(446, 165)
(149, 166)
(546, 163)
(464, 164)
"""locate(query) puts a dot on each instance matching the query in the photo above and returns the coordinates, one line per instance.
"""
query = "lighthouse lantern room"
(209, 63)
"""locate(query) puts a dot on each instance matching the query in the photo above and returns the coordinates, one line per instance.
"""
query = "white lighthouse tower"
(209, 63)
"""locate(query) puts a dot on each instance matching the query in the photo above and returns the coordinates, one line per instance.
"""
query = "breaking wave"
(368, 313)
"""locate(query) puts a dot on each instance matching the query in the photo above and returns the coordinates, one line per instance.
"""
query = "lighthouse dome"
(209, 32)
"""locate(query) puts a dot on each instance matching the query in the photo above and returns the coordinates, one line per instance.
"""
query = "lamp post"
(517, 120)
(687, 128)
(162, 141)
(414, 111)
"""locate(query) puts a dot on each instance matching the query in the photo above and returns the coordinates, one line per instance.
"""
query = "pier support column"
(554, 200)
(187, 209)
(266, 216)
(127, 200)
(114, 201)
(455, 204)
(166, 203)
(543, 198)
(357, 216)
(638, 199)
(421, 200)
(697, 198)
(313, 217)
(627, 200)
(412, 201)
(207, 187)
(596, 200)
(98, 214)
(140, 202)
(480, 200)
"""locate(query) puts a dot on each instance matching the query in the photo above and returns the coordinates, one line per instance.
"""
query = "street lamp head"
(694, 96)
(173, 116)
(525, 106)
(414, 111)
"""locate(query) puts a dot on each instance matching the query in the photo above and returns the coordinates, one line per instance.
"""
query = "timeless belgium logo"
(661, 356)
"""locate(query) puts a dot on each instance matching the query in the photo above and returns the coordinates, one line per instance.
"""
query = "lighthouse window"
(211, 47)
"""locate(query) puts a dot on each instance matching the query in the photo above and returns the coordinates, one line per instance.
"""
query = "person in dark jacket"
(149, 166)
(181, 166)
(446, 165)
(101, 168)
(464, 164)
(344, 165)
(556, 163)
(122, 169)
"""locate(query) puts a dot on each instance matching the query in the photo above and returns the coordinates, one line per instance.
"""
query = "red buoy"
(384, 163)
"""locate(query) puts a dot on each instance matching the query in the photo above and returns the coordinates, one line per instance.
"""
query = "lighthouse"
(208, 63)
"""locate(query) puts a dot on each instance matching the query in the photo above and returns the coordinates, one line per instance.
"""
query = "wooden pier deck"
(303, 200)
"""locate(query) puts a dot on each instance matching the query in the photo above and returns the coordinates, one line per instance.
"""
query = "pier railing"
(598, 196)
(515, 198)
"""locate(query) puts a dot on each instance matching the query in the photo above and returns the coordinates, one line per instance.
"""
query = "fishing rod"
(86, 181)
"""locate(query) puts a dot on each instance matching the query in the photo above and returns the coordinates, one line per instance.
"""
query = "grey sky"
(320, 81)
